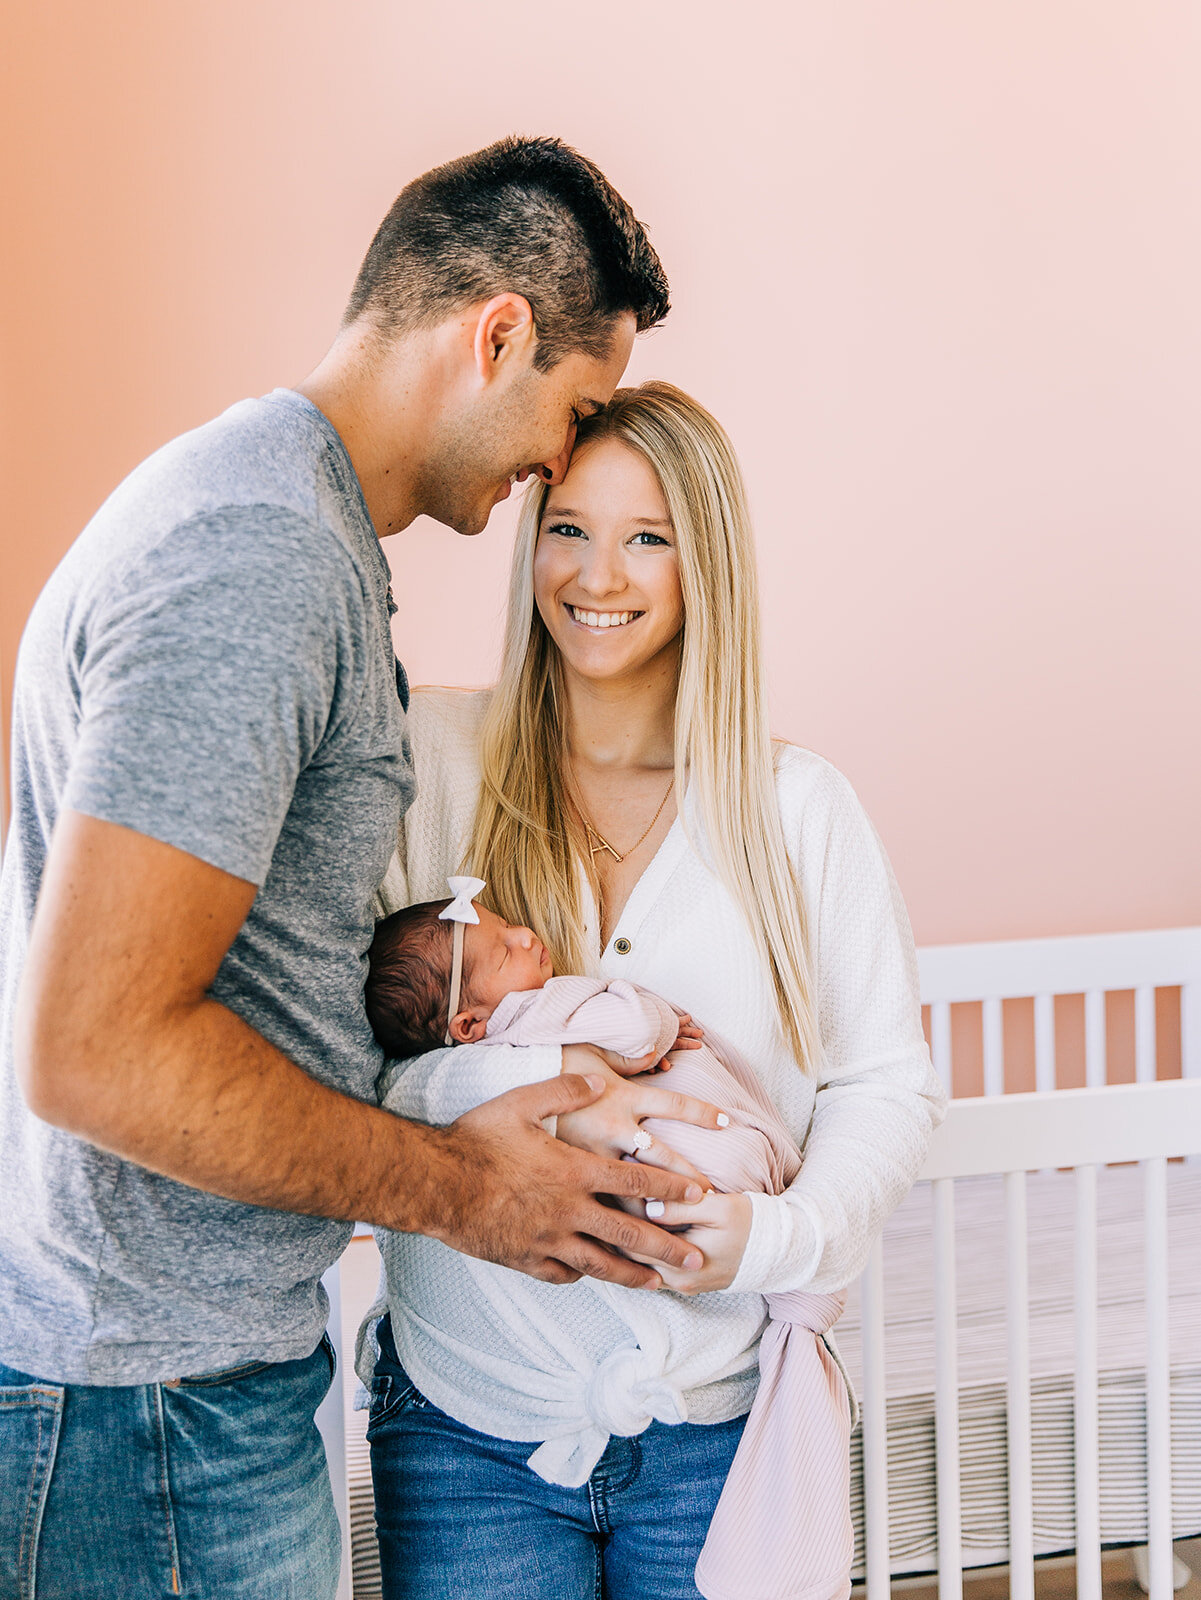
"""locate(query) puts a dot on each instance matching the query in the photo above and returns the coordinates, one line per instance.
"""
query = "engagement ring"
(642, 1141)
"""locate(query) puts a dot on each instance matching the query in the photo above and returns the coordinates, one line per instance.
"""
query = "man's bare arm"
(119, 1041)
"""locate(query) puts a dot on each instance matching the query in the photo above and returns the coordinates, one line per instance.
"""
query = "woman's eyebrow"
(642, 522)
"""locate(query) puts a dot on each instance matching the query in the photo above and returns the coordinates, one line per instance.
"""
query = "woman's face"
(606, 569)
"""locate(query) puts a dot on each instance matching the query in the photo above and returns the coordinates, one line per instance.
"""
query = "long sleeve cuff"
(442, 1085)
(782, 1250)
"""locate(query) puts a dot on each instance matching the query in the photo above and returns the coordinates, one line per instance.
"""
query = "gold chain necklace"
(603, 844)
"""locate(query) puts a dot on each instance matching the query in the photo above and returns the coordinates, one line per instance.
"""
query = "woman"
(620, 793)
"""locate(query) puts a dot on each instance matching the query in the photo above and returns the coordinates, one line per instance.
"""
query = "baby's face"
(498, 959)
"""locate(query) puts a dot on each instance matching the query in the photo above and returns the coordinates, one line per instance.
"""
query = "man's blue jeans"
(211, 1488)
(462, 1517)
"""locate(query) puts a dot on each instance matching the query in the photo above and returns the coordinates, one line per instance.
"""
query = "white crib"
(1034, 1180)
(1055, 1379)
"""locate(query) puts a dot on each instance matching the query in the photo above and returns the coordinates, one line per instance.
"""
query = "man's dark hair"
(408, 980)
(525, 216)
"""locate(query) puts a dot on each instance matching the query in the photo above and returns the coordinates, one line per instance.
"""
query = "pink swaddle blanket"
(782, 1528)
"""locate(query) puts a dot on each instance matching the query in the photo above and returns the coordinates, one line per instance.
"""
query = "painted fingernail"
(693, 1192)
(693, 1260)
(655, 1208)
(722, 1120)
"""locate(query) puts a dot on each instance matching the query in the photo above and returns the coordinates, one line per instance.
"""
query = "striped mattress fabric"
(980, 1274)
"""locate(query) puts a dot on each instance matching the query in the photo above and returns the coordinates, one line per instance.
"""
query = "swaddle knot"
(816, 1312)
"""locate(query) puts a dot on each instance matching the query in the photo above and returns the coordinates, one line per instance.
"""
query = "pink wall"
(935, 266)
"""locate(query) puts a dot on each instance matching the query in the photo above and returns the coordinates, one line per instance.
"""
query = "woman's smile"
(600, 620)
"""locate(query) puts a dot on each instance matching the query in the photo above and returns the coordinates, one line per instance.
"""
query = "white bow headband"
(459, 912)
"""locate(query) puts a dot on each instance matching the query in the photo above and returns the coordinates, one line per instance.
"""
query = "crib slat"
(1144, 1035)
(946, 1394)
(1190, 1029)
(1087, 1420)
(1159, 1426)
(1094, 1038)
(1190, 1037)
(940, 1042)
(1021, 1487)
(1044, 1041)
(994, 1047)
(875, 1429)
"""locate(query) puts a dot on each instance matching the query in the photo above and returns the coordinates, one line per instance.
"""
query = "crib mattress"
(980, 1273)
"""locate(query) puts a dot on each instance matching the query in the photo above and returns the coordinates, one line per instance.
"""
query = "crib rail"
(1091, 965)
(1012, 1135)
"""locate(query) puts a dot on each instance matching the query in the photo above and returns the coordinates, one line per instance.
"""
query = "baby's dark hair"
(408, 983)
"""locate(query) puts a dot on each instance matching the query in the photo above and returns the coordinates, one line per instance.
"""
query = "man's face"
(524, 424)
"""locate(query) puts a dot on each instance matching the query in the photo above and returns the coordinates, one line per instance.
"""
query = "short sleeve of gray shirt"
(207, 686)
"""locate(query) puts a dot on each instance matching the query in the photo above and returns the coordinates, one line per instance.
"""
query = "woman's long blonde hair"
(526, 838)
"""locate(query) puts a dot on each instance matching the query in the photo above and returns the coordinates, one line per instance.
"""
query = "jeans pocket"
(30, 1418)
(390, 1397)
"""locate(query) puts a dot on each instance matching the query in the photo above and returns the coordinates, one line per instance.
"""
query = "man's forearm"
(202, 1098)
(118, 1040)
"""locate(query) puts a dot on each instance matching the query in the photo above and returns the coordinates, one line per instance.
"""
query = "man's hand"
(506, 1191)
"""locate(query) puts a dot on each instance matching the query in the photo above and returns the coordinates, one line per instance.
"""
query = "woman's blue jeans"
(461, 1515)
(209, 1488)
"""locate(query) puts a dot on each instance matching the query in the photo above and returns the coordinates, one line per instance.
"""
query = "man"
(209, 767)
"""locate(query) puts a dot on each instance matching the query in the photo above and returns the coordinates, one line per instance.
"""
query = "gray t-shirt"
(210, 665)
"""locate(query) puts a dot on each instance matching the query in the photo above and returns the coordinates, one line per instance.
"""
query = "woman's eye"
(648, 538)
(568, 530)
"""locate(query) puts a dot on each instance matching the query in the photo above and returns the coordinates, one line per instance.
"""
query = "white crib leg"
(1141, 1563)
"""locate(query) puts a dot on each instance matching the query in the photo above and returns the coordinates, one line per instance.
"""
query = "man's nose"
(555, 470)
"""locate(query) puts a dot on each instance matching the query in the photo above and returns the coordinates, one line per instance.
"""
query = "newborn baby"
(434, 982)
(508, 993)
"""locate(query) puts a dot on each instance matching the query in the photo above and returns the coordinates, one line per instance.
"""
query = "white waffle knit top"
(502, 1352)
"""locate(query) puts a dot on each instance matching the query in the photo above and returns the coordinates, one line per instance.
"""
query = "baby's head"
(408, 985)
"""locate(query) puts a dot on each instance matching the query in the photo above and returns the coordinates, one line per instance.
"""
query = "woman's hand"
(719, 1226)
(612, 1125)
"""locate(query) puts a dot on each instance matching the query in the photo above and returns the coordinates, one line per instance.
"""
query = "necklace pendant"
(601, 844)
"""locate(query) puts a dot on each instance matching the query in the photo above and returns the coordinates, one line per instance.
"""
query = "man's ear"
(504, 335)
(467, 1028)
